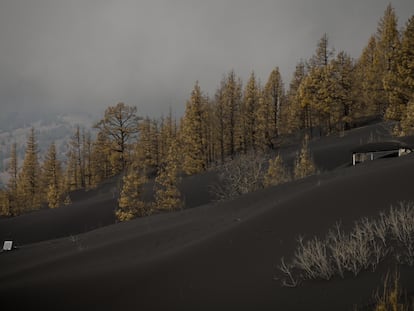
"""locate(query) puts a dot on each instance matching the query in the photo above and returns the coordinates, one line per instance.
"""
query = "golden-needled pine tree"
(13, 201)
(52, 178)
(277, 173)
(167, 194)
(29, 178)
(130, 203)
(191, 134)
(304, 165)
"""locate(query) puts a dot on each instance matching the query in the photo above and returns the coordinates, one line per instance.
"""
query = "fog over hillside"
(82, 56)
(53, 128)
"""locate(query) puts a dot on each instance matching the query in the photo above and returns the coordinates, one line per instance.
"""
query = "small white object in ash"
(8, 245)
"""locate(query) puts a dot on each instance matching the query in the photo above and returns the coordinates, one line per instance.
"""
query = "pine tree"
(314, 93)
(29, 177)
(209, 132)
(52, 178)
(227, 116)
(120, 125)
(193, 141)
(274, 94)
(324, 101)
(323, 53)
(75, 169)
(101, 165)
(406, 66)
(264, 135)
(67, 201)
(250, 104)
(4, 203)
(87, 158)
(407, 123)
(232, 106)
(343, 90)
(71, 174)
(314, 98)
(147, 145)
(12, 194)
(220, 119)
(386, 60)
(294, 117)
(304, 165)
(368, 81)
(130, 203)
(399, 83)
(168, 132)
(276, 173)
(167, 194)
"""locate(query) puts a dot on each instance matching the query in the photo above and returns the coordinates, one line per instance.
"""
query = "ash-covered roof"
(381, 146)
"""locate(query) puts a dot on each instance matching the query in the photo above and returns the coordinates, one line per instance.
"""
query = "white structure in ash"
(379, 150)
(8, 245)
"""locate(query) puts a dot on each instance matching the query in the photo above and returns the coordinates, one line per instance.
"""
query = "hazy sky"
(85, 55)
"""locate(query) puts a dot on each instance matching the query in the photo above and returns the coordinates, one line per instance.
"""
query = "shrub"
(368, 243)
(242, 175)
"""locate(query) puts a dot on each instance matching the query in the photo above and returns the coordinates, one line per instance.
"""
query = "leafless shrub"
(359, 246)
(380, 228)
(400, 220)
(312, 258)
(368, 243)
(378, 252)
(338, 244)
(290, 280)
(242, 175)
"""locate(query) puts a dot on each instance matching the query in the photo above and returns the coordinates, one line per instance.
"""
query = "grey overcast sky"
(84, 55)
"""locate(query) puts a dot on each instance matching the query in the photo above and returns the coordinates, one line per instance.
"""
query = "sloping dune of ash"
(219, 256)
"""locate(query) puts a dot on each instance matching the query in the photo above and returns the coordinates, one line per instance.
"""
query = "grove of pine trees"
(327, 94)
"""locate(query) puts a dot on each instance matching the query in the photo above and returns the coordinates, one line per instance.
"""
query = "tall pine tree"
(12, 194)
(52, 178)
(29, 177)
(167, 194)
(193, 141)
(386, 60)
(250, 105)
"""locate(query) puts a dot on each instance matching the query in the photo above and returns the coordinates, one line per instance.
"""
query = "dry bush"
(400, 221)
(312, 258)
(287, 269)
(242, 175)
(338, 243)
(368, 243)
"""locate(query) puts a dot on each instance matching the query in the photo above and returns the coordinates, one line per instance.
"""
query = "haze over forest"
(82, 56)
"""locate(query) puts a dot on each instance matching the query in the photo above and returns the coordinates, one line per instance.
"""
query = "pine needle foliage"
(167, 194)
(29, 178)
(12, 186)
(52, 178)
(130, 203)
(390, 298)
(194, 142)
(277, 173)
(407, 123)
(304, 165)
